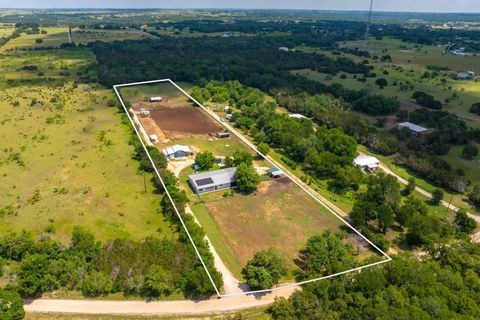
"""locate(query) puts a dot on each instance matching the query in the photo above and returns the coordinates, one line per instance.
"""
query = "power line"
(365, 45)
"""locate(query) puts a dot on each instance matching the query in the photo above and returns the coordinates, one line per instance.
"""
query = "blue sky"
(380, 5)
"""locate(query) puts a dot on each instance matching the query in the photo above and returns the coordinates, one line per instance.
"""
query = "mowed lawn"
(66, 160)
(279, 214)
(54, 37)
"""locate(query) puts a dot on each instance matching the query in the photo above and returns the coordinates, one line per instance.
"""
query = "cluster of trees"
(326, 153)
(445, 285)
(426, 100)
(381, 207)
(150, 268)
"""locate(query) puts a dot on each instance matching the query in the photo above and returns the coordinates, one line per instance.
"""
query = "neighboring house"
(223, 135)
(213, 180)
(297, 115)
(464, 75)
(274, 172)
(155, 99)
(367, 163)
(229, 117)
(177, 151)
(414, 129)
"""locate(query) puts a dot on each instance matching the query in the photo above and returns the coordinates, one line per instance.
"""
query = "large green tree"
(265, 269)
(246, 177)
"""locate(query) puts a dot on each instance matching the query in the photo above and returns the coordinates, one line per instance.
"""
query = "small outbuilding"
(153, 138)
(144, 112)
(222, 135)
(274, 173)
(177, 151)
(366, 162)
(155, 99)
(297, 116)
(414, 129)
(213, 180)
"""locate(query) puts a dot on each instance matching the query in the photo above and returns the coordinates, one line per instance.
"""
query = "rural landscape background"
(292, 102)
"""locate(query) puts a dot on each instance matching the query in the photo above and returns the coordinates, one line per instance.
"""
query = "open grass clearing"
(54, 37)
(92, 35)
(66, 161)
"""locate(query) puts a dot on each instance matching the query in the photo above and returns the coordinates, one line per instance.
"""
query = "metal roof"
(213, 178)
(174, 149)
(365, 160)
(412, 127)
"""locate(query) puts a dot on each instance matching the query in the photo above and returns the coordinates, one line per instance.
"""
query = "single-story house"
(366, 162)
(413, 128)
(213, 180)
(223, 134)
(274, 172)
(177, 151)
(155, 99)
(296, 115)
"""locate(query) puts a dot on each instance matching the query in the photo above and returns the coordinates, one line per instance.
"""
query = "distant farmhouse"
(284, 49)
(414, 129)
(213, 180)
(177, 151)
(464, 75)
(459, 52)
(366, 163)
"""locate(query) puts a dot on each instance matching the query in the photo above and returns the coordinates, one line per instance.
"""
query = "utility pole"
(367, 31)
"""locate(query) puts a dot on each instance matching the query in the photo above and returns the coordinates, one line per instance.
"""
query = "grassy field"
(471, 167)
(219, 147)
(65, 157)
(53, 38)
(6, 31)
(91, 35)
(169, 93)
(413, 62)
(279, 214)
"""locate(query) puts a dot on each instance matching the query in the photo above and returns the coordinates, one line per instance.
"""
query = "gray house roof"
(413, 127)
(213, 178)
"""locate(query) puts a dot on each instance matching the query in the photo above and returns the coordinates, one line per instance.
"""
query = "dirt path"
(230, 283)
(181, 307)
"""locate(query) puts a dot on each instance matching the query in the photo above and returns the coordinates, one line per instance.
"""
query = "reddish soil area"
(184, 120)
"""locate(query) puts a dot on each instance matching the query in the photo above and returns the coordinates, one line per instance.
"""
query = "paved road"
(182, 307)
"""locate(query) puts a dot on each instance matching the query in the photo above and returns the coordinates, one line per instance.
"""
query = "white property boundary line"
(217, 118)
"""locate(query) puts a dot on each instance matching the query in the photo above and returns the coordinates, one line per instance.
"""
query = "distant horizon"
(404, 6)
(234, 9)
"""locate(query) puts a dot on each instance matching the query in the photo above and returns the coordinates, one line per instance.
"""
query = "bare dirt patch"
(180, 121)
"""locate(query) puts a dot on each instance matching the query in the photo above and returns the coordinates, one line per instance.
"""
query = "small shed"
(222, 135)
(297, 116)
(274, 172)
(153, 138)
(144, 112)
(155, 99)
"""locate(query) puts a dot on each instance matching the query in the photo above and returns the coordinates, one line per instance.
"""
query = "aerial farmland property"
(238, 224)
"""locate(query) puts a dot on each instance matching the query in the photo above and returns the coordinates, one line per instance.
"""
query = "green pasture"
(65, 157)
(54, 37)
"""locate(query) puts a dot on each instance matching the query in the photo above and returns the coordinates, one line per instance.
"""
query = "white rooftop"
(173, 149)
(366, 161)
(413, 127)
(296, 115)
